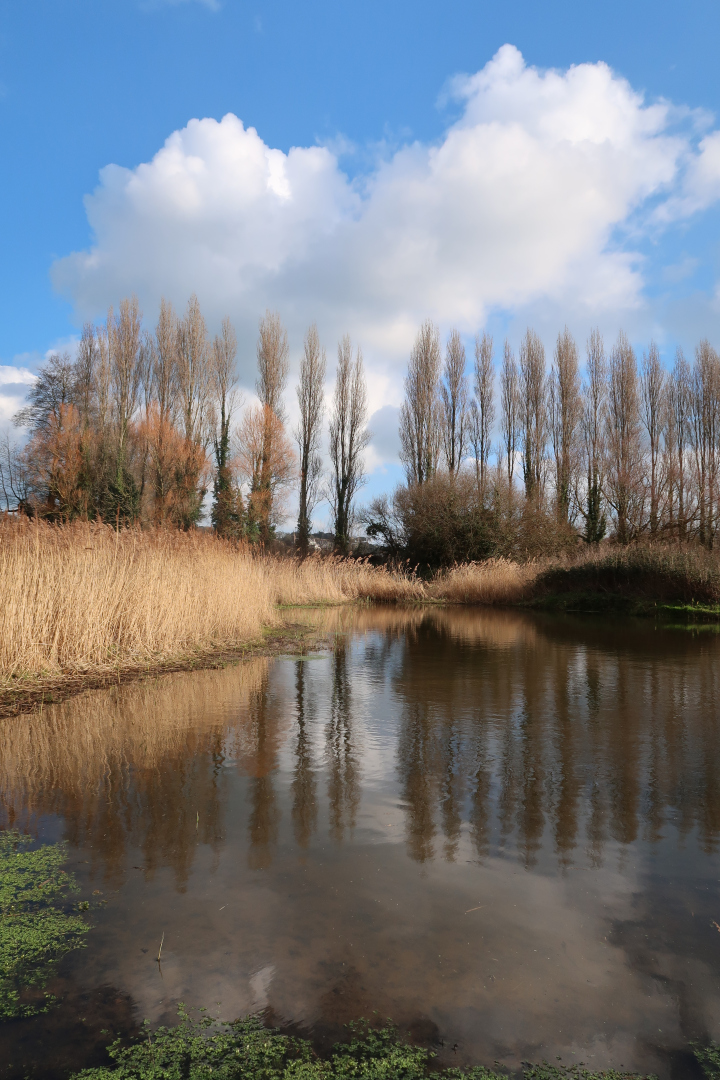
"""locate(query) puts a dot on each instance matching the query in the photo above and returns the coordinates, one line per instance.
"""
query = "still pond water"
(499, 829)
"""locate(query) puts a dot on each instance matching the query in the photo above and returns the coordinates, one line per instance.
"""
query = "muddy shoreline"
(34, 693)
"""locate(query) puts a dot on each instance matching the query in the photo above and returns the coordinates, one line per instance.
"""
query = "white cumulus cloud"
(14, 384)
(521, 201)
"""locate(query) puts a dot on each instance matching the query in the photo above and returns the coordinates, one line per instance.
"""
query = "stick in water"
(161, 945)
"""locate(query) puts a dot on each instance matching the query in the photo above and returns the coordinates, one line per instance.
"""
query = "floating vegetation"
(37, 924)
(245, 1050)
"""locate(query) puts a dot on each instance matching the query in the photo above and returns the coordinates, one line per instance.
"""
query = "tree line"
(141, 423)
(518, 458)
(626, 449)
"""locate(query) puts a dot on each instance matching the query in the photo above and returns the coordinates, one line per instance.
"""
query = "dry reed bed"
(665, 573)
(83, 599)
(497, 581)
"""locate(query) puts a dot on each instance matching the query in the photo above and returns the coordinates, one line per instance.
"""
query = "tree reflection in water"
(343, 778)
(518, 731)
(304, 785)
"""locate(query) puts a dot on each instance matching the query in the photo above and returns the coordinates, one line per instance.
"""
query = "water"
(499, 829)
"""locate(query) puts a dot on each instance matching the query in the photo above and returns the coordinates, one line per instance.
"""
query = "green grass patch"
(613, 603)
(663, 581)
(38, 924)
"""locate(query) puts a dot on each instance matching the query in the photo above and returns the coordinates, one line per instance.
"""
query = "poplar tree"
(348, 438)
(420, 412)
(308, 431)
(454, 404)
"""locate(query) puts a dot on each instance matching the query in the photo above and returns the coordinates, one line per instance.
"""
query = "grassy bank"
(677, 581)
(672, 581)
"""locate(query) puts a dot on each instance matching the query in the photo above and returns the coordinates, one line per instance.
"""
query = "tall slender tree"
(482, 409)
(121, 497)
(510, 407)
(273, 367)
(454, 404)
(420, 424)
(308, 431)
(533, 413)
(348, 438)
(625, 482)
(268, 477)
(565, 411)
(653, 415)
(593, 442)
(163, 445)
(194, 373)
(680, 413)
(706, 427)
(194, 381)
(126, 368)
(165, 374)
(85, 368)
(227, 506)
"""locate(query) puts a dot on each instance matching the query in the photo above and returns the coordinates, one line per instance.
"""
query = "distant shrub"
(447, 520)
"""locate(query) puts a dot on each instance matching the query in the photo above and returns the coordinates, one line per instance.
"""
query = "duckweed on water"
(245, 1050)
(36, 927)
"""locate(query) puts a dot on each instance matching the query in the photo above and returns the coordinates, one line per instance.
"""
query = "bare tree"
(53, 388)
(273, 363)
(86, 363)
(268, 478)
(482, 409)
(193, 373)
(419, 413)
(15, 480)
(680, 414)
(565, 413)
(454, 399)
(125, 333)
(652, 393)
(706, 425)
(226, 511)
(593, 437)
(273, 368)
(101, 388)
(307, 433)
(533, 413)
(624, 485)
(194, 383)
(165, 374)
(348, 438)
(162, 410)
(510, 405)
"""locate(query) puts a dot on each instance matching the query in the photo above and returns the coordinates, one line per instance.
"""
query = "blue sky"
(89, 83)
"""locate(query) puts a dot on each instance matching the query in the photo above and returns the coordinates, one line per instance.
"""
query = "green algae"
(38, 925)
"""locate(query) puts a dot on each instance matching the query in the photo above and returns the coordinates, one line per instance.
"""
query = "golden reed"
(83, 598)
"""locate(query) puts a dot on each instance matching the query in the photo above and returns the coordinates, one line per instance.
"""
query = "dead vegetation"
(85, 599)
(85, 602)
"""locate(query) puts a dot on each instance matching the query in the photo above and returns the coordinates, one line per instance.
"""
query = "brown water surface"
(499, 829)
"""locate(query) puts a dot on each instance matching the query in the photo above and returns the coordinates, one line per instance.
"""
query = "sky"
(367, 166)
